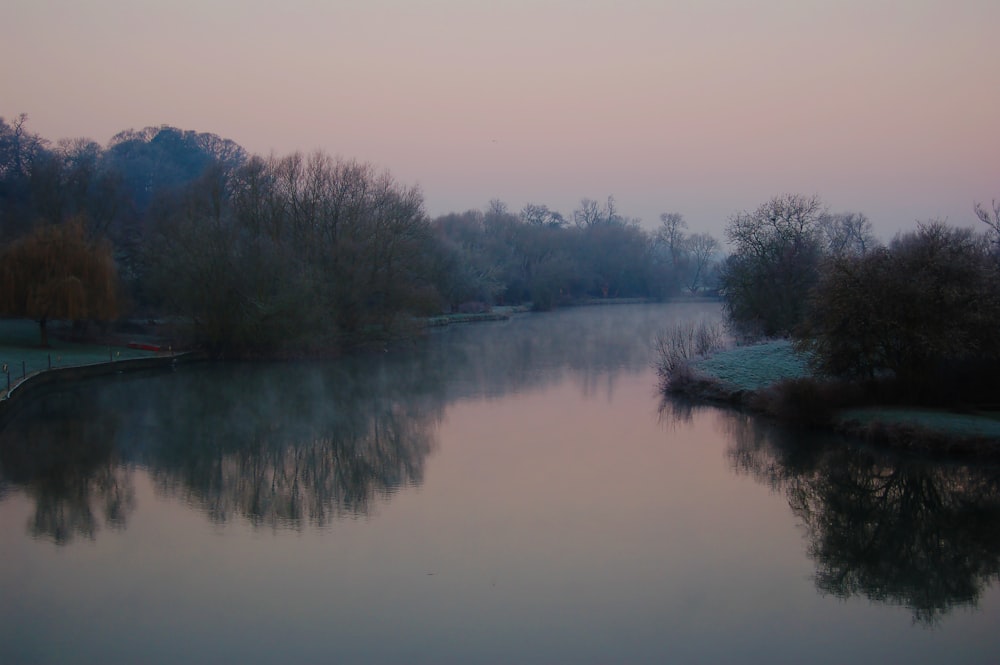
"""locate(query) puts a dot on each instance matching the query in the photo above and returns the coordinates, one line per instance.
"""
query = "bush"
(677, 346)
(806, 401)
(918, 311)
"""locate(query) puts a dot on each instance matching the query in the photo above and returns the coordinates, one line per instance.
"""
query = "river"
(508, 492)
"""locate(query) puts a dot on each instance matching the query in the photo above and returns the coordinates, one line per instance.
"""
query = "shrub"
(913, 311)
(806, 401)
(677, 346)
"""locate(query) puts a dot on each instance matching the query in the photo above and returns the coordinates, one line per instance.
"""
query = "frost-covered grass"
(20, 350)
(754, 367)
(757, 367)
(956, 424)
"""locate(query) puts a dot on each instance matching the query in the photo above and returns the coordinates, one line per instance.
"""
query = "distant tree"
(920, 309)
(668, 257)
(158, 158)
(671, 235)
(775, 263)
(991, 218)
(701, 248)
(57, 273)
(20, 152)
(847, 234)
(18, 147)
(591, 213)
(544, 263)
(467, 269)
(613, 259)
(540, 215)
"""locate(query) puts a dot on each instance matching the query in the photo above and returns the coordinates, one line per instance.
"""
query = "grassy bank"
(21, 353)
(772, 378)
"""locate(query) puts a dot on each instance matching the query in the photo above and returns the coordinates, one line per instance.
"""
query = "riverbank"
(25, 366)
(772, 379)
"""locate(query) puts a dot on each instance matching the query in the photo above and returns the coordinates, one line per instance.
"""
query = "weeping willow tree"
(56, 272)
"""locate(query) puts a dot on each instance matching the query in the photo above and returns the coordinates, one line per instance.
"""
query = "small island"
(826, 327)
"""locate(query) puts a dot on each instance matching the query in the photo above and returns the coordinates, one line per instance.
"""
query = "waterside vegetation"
(895, 343)
(249, 256)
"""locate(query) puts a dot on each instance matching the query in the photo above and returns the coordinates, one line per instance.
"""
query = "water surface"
(496, 493)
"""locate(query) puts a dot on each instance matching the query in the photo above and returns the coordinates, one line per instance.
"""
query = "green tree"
(56, 272)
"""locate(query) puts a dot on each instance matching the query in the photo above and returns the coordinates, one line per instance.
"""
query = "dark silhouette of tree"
(540, 215)
(991, 218)
(162, 158)
(921, 309)
(702, 248)
(20, 149)
(293, 253)
(847, 234)
(774, 264)
(58, 273)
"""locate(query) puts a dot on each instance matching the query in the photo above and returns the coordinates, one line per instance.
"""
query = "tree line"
(255, 255)
(916, 316)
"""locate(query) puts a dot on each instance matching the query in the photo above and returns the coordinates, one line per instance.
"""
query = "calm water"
(500, 493)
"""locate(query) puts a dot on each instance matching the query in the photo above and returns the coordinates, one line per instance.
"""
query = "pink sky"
(701, 107)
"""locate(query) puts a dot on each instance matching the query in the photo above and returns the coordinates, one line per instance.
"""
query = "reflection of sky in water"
(552, 522)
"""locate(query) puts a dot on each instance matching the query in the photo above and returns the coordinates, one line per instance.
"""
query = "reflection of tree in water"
(901, 530)
(296, 444)
(286, 445)
(279, 445)
(593, 345)
(61, 452)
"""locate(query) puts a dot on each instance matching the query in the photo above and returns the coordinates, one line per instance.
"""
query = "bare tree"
(670, 235)
(775, 263)
(701, 247)
(847, 234)
(990, 218)
(591, 214)
(540, 215)
(18, 147)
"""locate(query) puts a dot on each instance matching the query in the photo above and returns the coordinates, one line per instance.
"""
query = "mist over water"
(499, 492)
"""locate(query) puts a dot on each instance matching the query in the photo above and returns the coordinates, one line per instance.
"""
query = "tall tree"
(20, 150)
(991, 218)
(774, 265)
(701, 247)
(56, 272)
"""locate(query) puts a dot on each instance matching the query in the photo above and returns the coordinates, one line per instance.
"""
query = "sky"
(702, 107)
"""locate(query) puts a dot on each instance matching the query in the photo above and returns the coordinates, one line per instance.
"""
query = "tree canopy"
(57, 273)
(923, 310)
(774, 264)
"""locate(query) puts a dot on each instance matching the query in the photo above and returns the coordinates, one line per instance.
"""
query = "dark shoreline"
(895, 435)
(26, 388)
